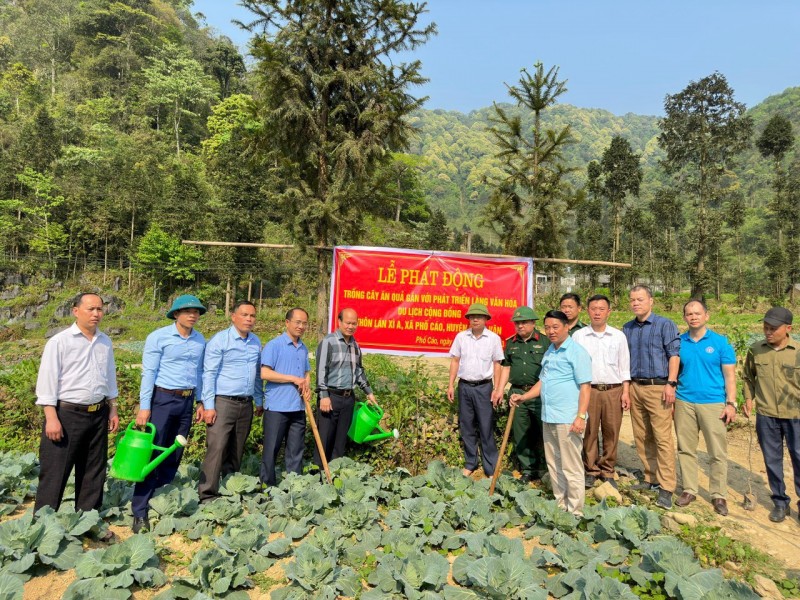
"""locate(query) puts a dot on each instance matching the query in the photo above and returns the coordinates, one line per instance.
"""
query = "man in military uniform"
(522, 364)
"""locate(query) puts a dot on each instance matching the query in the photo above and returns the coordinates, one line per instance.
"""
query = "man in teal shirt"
(564, 386)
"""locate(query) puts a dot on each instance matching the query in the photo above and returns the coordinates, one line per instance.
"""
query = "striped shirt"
(339, 365)
(652, 343)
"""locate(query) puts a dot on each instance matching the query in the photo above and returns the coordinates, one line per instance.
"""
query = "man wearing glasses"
(286, 369)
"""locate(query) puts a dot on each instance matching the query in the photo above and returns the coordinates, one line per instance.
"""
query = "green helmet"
(524, 313)
(185, 301)
(479, 310)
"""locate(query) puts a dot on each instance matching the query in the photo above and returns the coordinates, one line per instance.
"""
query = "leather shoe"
(720, 506)
(779, 513)
(685, 499)
(141, 524)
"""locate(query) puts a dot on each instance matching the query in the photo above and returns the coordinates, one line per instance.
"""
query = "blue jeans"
(771, 432)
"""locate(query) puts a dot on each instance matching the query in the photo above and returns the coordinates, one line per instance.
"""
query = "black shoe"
(664, 499)
(589, 481)
(779, 513)
(611, 481)
(141, 525)
(645, 486)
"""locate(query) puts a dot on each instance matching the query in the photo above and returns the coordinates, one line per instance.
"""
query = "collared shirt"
(576, 328)
(563, 371)
(232, 367)
(611, 359)
(172, 362)
(652, 343)
(524, 357)
(477, 354)
(700, 380)
(339, 365)
(772, 378)
(77, 370)
(283, 356)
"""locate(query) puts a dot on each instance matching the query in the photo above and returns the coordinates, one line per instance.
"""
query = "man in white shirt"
(77, 388)
(475, 359)
(611, 374)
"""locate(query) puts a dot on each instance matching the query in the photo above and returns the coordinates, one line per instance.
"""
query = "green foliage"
(21, 417)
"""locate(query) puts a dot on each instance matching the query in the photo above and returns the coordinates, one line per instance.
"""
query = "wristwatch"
(582, 416)
(672, 383)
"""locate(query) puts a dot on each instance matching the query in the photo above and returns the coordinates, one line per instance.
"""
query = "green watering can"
(365, 419)
(134, 451)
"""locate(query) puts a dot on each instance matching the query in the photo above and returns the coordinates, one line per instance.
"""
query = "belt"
(602, 387)
(342, 393)
(237, 398)
(179, 393)
(90, 408)
(653, 381)
(476, 383)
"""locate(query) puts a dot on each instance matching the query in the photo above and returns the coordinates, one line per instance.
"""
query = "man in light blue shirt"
(286, 369)
(231, 383)
(172, 368)
(564, 387)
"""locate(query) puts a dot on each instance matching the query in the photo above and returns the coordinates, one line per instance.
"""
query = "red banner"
(413, 302)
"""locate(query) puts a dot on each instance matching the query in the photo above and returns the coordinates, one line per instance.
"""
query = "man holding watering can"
(77, 388)
(231, 383)
(339, 372)
(172, 370)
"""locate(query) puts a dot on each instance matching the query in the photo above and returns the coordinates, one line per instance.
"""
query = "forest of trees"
(128, 125)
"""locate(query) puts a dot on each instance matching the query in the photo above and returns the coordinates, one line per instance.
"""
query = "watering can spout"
(374, 437)
(179, 442)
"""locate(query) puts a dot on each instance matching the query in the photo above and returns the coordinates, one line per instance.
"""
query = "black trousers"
(279, 426)
(476, 421)
(333, 427)
(225, 441)
(84, 446)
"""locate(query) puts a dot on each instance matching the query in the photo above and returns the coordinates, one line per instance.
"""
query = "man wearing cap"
(286, 369)
(564, 389)
(570, 305)
(772, 380)
(654, 345)
(522, 363)
(339, 372)
(705, 401)
(231, 384)
(475, 359)
(172, 379)
(77, 390)
(611, 375)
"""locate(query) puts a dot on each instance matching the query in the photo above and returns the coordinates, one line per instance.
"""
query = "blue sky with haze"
(623, 56)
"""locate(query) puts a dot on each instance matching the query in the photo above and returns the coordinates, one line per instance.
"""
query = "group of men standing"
(222, 383)
(570, 392)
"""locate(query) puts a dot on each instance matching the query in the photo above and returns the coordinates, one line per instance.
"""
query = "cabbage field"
(369, 536)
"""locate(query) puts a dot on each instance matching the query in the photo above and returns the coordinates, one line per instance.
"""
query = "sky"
(619, 55)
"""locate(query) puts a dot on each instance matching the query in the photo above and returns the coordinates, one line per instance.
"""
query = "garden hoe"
(500, 456)
(748, 502)
(315, 431)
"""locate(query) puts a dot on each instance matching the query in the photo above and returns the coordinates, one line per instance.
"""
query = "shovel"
(748, 501)
(502, 454)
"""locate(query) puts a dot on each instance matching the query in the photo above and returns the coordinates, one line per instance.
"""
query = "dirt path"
(781, 540)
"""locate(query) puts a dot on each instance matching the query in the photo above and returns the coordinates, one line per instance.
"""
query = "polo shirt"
(700, 379)
(231, 367)
(477, 354)
(772, 378)
(172, 362)
(524, 357)
(652, 343)
(563, 371)
(283, 356)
